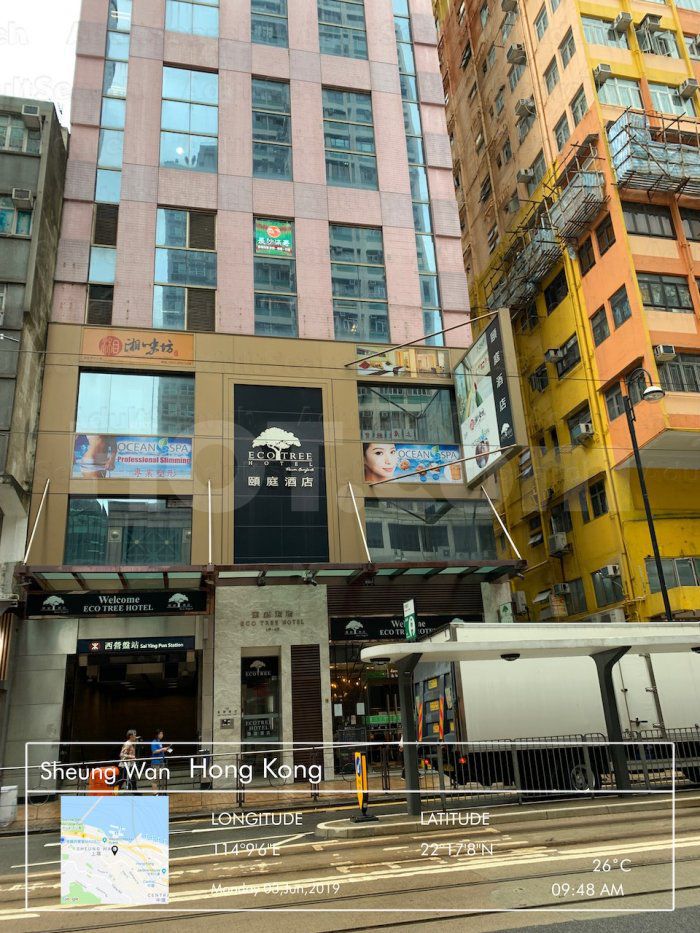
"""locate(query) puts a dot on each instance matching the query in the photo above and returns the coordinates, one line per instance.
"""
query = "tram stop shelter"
(605, 644)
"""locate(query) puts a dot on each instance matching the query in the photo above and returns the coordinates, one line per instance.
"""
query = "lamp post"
(651, 393)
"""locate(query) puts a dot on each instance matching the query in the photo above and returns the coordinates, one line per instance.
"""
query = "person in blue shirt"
(158, 752)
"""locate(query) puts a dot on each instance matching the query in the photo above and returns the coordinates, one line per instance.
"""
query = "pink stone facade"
(234, 194)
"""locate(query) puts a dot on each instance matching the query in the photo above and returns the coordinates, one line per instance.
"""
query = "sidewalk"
(44, 817)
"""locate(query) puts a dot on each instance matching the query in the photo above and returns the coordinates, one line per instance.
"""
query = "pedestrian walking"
(158, 753)
(127, 758)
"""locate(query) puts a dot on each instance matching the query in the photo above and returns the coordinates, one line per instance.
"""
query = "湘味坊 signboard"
(115, 456)
(125, 343)
(119, 603)
(280, 507)
(411, 463)
(489, 403)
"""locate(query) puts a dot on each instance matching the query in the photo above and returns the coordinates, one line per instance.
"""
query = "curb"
(389, 825)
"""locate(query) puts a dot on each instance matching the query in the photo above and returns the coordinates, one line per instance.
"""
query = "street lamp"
(651, 393)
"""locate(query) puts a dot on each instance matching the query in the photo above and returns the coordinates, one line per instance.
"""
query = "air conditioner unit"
(23, 199)
(525, 107)
(601, 73)
(562, 589)
(664, 352)
(622, 23)
(553, 354)
(519, 602)
(611, 570)
(582, 432)
(513, 205)
(509, 6)
(651, 22)
(688, 88)
(557, 544)
(516, 54)
(525, 176)
(31, 115)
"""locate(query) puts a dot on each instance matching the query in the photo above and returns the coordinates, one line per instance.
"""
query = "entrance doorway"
(107, 694)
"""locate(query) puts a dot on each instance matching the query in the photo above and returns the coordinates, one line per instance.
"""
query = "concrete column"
(409, 733)
(605, 661)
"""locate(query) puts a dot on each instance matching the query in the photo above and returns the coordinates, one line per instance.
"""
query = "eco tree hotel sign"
(151, 346)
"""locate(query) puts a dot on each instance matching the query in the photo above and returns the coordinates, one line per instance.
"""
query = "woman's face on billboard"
(380, 461)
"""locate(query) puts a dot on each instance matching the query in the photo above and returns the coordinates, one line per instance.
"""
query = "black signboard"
(280, 510)
(147, 643)
(382, 629)
(256, 669)
(119, 603)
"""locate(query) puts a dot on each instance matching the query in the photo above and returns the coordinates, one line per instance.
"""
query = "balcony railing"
(654, 152)
(578, 204)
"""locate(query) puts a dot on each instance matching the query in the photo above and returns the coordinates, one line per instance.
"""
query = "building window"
(418, 414)
(681, 374)
(574, 422)
(524, 127)
(15, 137)
(571, 356)
(538, 169)
(551, 75)
(615, 402)
(539, 380)
(275, 277)
(514, 75)
(507, 151)
(691, 223)
(119, 15)
(648, 220)
(575, 598)
(661, 42)
(599, 498)
(103, 259)
(605, 235)
(665, 292)
(599, 326)
(359, 283)
(466, 56)
(620, 92)
(128, 532)
(11, 304)
(500, 100)
(666, 99)
(691, 43)
(583, 505)
(13, 221)
(184, 294)
(483, 13)
(541, 22)
(678, 571)
(135, 403)
(567, 48)
(189, 120)
(562, 131)
(113, 111)
(196, 17)
(349, 139)
(432, 529)
(272, 130)
(620, 306)
(608, 589)
(507, 27)
(579, 106)
(341, 28)
(586, 256)
(99, 304)
(560, 517)
(269, 23)
(600, 32)
(556, 291)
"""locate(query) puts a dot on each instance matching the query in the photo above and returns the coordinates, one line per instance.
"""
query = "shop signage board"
(259, 668)
(131, 456)
(399, 462)
(410, 625)
(124, 343)
(117, 603)
(382, 628)
(281, 511)
(143, 643)
(489, 404)
(274, 238)
(409, 361)
(262, 727)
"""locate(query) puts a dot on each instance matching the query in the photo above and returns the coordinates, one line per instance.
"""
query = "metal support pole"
(36, 521)
(604, 662)
(409, 733)
(629, 412)
(359, 524)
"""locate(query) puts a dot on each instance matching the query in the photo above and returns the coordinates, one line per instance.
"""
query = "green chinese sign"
(274, 238)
